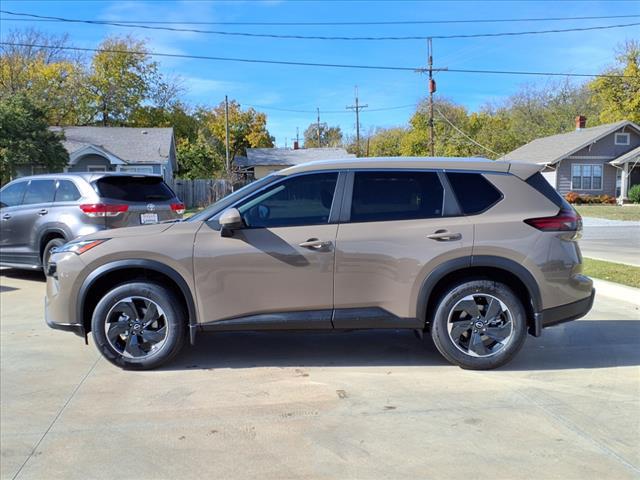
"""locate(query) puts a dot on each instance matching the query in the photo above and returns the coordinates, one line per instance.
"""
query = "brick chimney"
(581, 122)
(296, 145)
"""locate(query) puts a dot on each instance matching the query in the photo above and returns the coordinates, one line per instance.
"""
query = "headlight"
(79, 247)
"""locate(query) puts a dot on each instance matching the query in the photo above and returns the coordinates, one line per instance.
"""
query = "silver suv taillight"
(102, 209)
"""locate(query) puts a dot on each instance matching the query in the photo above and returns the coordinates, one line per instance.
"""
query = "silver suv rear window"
(134, 188)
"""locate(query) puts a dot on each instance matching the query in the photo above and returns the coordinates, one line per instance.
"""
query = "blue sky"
(305, 88)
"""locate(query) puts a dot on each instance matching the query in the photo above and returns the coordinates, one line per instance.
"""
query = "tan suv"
(476, 252)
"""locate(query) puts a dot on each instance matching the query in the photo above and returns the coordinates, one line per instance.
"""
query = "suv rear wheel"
(139, 325)
(479, 325)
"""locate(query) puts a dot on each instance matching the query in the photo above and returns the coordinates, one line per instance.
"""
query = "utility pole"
(318, 127)
(298, 135)
(357, 107)
(432, 89)
(226, 137)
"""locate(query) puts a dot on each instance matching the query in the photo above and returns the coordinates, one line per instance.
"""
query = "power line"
(383, 109)
(464, 134)
(317, 37)
(310, 64)
(390, 22)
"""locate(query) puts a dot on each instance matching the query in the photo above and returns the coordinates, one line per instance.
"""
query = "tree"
(122, 77)
(199, 158)
(185, 124)
(619, 98)
(247, 129)
(25, 138)
(329, 136)
(386, 142)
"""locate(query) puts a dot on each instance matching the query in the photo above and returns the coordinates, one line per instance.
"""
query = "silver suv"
(476, 253)
(42, 212)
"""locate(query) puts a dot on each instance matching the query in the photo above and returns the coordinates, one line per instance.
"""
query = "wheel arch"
(103, 277)
(515, 275)
(49, 234)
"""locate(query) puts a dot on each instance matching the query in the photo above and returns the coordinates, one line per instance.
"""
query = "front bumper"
(67, 327)
(562, 313)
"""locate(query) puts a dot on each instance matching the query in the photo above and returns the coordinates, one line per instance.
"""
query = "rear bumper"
(562, 313)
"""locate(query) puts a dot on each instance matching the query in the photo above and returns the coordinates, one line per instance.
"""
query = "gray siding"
(563, 177)
(606, 146)
(91, 160)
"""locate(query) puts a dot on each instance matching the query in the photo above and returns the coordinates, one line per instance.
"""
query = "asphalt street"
(366, 405)
(611, 240)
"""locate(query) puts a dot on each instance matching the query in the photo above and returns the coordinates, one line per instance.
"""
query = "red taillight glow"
(178, 208)
(567, 220)
(102, 209)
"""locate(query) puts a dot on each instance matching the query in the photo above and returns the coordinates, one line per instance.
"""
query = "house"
(260, 162)
(593, 161)
(118, 149)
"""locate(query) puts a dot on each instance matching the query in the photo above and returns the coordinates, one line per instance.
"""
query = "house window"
(136, 169)
(622, 139)
(96, 168)
(586, 177)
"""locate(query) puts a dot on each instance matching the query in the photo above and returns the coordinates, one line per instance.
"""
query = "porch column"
(624, 183)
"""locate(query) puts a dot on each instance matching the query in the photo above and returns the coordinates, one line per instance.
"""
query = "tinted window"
(303, 200)
(12, 194)
(134, 189)
(384, 196)
(40, 191)
(475, 193)
(540, 183)
(67, 191)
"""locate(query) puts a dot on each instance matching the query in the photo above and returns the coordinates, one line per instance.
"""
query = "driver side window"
(301, 200)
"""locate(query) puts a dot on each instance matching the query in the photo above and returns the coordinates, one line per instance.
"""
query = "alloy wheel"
(136, 327)
(480, 325)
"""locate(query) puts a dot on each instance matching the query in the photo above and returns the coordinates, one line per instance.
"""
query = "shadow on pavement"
(33, 275)
(582, 344)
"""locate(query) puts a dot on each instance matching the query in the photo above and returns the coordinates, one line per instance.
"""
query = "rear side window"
(67, 191)
(540, 183)
(12, 194)
(40, 191)
(302, 200)
(134, 189)
(387, 196)
(475, 193)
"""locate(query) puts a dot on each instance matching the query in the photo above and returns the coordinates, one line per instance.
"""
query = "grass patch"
(192, 211)
(610, 212)
(613, 272)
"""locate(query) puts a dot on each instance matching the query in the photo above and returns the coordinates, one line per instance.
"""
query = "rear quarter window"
(475, 193)
(133, 189)
(539, 183)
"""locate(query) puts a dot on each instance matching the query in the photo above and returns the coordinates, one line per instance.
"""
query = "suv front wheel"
(479, 325)
(139, 325)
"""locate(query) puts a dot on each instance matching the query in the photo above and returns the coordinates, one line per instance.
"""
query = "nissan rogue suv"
(475, 252)
(42, 212)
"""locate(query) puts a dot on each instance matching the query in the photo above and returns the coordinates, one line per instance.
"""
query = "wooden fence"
(201, 192)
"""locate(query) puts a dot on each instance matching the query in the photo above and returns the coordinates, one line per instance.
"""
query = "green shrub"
(634, 194)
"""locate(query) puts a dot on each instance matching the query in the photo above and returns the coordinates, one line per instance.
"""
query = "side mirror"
(230, 220)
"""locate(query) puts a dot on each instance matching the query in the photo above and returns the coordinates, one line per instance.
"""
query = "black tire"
(46, 253)
(448, 304)
(173, 318)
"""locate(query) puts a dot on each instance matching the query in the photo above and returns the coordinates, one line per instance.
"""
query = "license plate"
(146, 218)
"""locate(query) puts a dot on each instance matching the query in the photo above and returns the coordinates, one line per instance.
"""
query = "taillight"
(103, 210)
(178, 208)
(567, 220)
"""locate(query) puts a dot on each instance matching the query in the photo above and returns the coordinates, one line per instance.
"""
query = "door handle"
(6, 216)
(43, 211)
(444, 236)
(315, 244)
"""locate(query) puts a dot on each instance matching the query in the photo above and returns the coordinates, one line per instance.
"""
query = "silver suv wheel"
(480, 325)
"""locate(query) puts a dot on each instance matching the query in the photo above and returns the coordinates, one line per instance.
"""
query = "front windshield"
(230, 199)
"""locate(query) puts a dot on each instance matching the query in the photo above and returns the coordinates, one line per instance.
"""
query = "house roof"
(287, 157)
(633, 155)
(550, 150)
(132, 145)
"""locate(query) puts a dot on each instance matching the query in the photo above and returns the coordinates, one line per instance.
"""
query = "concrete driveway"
(612, 240)
(359, 405)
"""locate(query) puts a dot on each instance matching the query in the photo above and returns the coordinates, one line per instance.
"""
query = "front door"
(279, 267)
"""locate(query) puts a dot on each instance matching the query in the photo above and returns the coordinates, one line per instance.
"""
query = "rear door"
(148, 199)
(397, 228)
